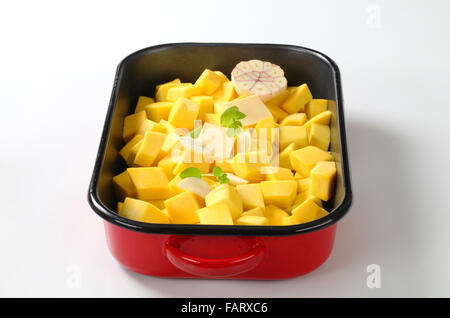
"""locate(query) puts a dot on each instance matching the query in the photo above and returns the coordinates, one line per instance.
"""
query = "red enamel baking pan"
(217, 251)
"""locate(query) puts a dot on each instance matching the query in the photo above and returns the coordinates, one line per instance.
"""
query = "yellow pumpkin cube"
(183, 113)
(280, 174)
(323, 178)
(275, 215)
(293, 134)
(142, 211)
(303, 185)
(173, 185)
(284, 159)
(296, 119)
(119, 207)
(277, 113)
(123, 186)
(252, 220)
(210, 81)
(150, 147)
(185, 91)
(158, 203)
(280, 193)
(319, 136)
(167, 164)
(182, 208)
(218, 214)
(151, 183)
(308, 211)
(174, 81)
(288, 220)
(190, 159)
(256, 211)
(315, 107)
(297, 100)
(228, 196)
(250, 165)
(280, 98)
(223, 76)
(170, 129)
(125, 151)
(304, 159)
(224, 165)
(265, 129)
(158, 111)
(225, 92)
(142, 102)
(251, 195)
(302, 197)
(323, 119)
(205, 105)
(132, 153)
(150, 125)
(161, 91)
(132, 123)
(212, 119)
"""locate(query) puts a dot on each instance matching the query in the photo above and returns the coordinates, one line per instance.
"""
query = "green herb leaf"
(231, 115)
(217, 171)
(233, 132)
(191, 172)
(195, 133)
(223, 179)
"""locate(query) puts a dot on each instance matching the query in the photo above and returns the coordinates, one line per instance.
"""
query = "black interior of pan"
(142, 71)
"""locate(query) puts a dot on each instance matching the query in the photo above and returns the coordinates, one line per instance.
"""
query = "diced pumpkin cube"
(277, 113)
(218, 214)
(170, 129)
(219, 107)
(298, 175)
(315, 107)
(252, 220)
(280, 193)
(142, 211)
(323, 178)
(167, 164)
(158, 203)
(249, 165)
(279, 99)
(308, 211)
(183, 113)
(151, 183)
(171, 142)
(256, 211)
(289, 220)
(190, 159)
(187, 91)
(123, 186)
(280, 174)
(304, 159)
(205, 105)
(264, 129)
(275, 215)
(173, 185)
(132, 153)
(212, 119)
(210, 81)
(224, 165)
(296, 119)
(302, 197)
(225, 92)
(284, 159)
(293, 134)
(319, 136)
(119, 207)
(142, 102)
(182, 208)
(158, 111)
(228, 196)
(174, 81)
(125, 151)
(303, 185)
(323, 119)
(161, 91)
(251, 195)
(149, 150)
(132, 123)
(296, 102)
(150, 125)
(223, 76)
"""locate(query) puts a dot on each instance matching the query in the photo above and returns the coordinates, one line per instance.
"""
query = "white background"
(57, 63)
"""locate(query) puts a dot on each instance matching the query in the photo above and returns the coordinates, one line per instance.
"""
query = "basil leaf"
(223, 179)
(191, 172)
(195, 133)
(233, 132)
(217, 172)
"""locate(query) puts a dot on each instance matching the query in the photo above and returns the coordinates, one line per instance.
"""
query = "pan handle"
(215, 267)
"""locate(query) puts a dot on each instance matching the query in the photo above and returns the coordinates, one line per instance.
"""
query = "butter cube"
(225, 92)
(151, 183)
(149, 150)
(205, 105)
(304, 159)
(296, 102)
(293, 134)
(142, 211)
(308, 211)
(256, 211)
(143, 101)
(275, 215)
(253, 108)
(251, 195)
(132, 123)
(218, 214)
(123, 186)
(252, 220)
(228, 196)
(323, 178)
(280, 193)
(186, 91)
(182, 208)
(280, 174)
(158, 111)
(210, 81)
(315, 107)
(183, 113)
(296, 119)
(319, 136)
(125, 151)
